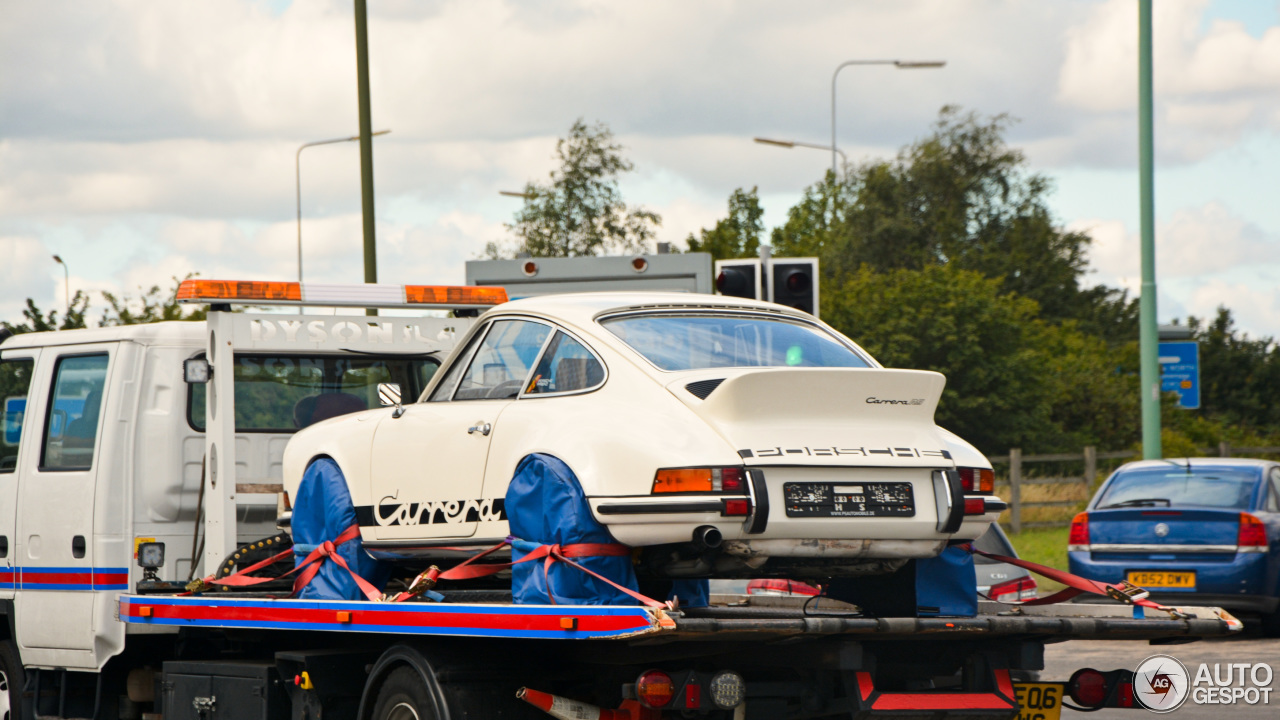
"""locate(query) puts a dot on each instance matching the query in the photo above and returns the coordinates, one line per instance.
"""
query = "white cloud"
(1255, 309)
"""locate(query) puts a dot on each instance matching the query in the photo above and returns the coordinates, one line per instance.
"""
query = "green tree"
(153, 305)
(37, 321)
(738, 234)
(1239, 375)
(580, 211)
(962, 197)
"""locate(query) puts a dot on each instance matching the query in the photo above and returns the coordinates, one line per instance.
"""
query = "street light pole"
(797, 143)
(1148, 333)
(66, 285)
(297, 171)
(900, 64)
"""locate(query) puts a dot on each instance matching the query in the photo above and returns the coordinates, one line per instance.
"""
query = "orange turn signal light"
(682, 480)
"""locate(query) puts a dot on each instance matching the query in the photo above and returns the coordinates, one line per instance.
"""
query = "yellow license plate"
(1156, 579)
(1039, 701)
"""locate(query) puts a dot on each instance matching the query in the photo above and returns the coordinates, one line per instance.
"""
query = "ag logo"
(1161, 683)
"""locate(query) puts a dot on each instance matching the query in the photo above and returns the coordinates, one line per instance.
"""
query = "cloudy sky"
(141, 140)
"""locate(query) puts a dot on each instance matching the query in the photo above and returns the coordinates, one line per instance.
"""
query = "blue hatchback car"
(1195, 531)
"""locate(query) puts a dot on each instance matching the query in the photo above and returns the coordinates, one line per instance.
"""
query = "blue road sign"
(1180, 372)
(14, 407)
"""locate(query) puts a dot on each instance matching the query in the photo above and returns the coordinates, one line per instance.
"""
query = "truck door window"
(284, 393)
(71, 426)
(15, 384)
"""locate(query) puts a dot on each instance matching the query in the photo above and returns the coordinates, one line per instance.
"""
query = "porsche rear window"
(713, 340)
(1175, 487)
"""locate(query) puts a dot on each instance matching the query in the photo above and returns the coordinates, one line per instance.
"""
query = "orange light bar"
(454, 295)
(682, 480)
(986, 480)
(239, 290)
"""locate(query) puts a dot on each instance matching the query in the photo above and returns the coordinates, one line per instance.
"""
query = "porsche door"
(427, 468)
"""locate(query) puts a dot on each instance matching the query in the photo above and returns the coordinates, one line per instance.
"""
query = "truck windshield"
(1175, 487)
(284, 393)
(711, 340)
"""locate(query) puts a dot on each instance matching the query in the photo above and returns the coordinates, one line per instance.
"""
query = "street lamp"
(900, 64)
(66, 284)
(797, 143)
(297, 170)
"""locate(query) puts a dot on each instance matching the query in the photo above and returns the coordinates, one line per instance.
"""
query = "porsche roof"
(585, 307)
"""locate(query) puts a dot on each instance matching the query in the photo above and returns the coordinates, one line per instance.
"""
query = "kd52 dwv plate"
(1163, 579)
(854, 499)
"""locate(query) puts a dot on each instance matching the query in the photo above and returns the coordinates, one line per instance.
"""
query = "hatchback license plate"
(1152, 579)
(853, 499)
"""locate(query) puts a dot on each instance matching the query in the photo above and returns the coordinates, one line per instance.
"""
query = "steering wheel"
(504, 390)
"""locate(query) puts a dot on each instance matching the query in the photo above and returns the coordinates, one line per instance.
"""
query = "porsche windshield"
(692, 341)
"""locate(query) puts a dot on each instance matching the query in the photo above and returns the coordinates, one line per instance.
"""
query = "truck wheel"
(12, 679)
(403, 697)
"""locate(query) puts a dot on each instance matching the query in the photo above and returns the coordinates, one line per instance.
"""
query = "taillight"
(975, 506)
(1078, 539)
(1014, 590)
(654, 688)
(737, 507)
(677, 480)
(1088, 688)
(1253, 534)
(1092, 689)
(979, 480)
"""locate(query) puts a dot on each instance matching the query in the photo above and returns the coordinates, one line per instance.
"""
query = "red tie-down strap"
(549, 554)
(1125, 592)
(309, 567)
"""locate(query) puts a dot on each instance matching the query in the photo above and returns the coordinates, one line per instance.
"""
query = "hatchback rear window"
(1176, 487)
(712, 340)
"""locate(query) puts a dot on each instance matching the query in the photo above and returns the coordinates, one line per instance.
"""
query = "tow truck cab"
(104, 448)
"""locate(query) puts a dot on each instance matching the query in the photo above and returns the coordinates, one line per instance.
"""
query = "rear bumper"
(772, 529)
(1233, 582)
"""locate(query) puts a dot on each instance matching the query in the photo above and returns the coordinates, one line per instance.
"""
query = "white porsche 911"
(724, 437)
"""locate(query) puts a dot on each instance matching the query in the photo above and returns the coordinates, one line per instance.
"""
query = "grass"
(1047, 546)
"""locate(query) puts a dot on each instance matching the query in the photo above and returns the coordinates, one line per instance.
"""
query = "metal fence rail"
(1089, 456)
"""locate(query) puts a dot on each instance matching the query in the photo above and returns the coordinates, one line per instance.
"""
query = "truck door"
(427, 467)
(16, 368)
(54, 603)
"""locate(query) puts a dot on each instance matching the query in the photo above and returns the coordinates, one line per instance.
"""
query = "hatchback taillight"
(1078, 539)
(1253, 534)
(977, 480)
(1023, 588)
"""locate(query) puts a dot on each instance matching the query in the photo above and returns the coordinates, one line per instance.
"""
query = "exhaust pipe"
(707, 537)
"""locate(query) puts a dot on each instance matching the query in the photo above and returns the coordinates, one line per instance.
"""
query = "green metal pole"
(1148, 337)
(366, 144)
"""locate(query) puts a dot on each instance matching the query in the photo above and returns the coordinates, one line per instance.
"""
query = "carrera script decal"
(897, 452)
(388, 513)
(880, 401)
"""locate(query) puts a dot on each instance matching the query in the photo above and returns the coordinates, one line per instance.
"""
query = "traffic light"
(794, 283)
(739, 278)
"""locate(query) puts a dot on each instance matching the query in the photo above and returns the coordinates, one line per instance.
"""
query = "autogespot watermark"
(1162, 684)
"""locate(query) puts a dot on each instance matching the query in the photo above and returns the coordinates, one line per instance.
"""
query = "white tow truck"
(122, 480)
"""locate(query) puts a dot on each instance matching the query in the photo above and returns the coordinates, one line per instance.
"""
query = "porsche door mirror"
(389, 395)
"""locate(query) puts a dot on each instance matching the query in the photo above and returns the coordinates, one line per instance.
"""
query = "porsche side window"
(444, 391)
(567, 366)
(503, 361)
